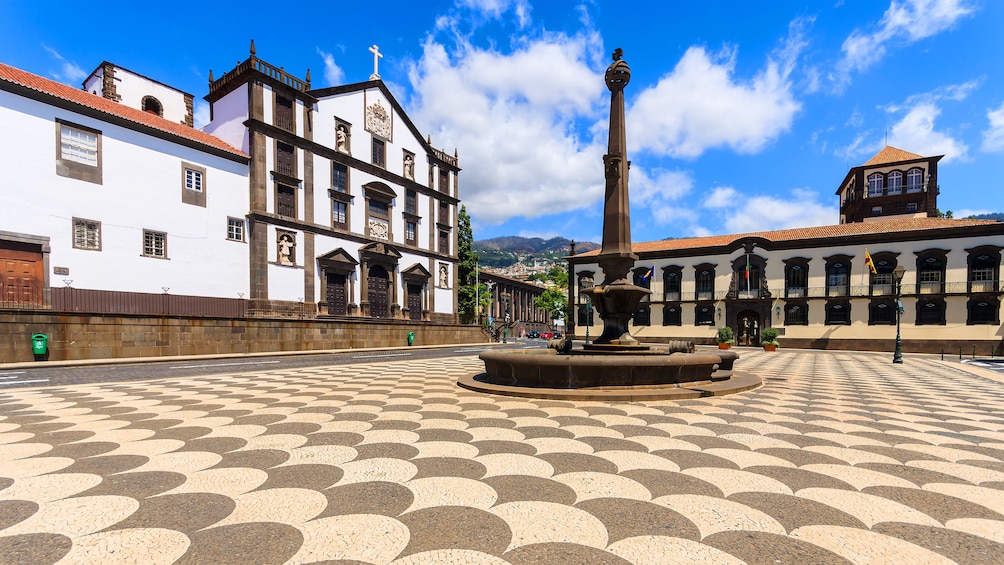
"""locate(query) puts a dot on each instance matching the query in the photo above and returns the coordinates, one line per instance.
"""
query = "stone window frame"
(276, 97)
(85, 223)
(642, 316)
(375, 192)
(704, 274)
(931, 271)
(337, 167)
(791, 267)
(834, 307)
(882, 283)
(410, 232)
(928, 307)
(993, 306)
(704, 314)
(672, 314)
(443, 241)
(672, 283)
(444, 180)
(193, 184)
(154, 244)
(983, 269)
(74, 168)
(833, 263)
(378, 152)
(796, 313)
(339, 208)
(147, 99)
(296, 199)
(236, 229)
(876, 189)
(883, 306)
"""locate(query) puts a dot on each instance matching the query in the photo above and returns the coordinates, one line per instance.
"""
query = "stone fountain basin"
(548, 369)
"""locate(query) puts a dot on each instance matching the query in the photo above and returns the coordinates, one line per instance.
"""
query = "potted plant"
(725, 336)
(768, 339)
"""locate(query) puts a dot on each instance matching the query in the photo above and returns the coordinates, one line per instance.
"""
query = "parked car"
(532, 335)
(546, 335)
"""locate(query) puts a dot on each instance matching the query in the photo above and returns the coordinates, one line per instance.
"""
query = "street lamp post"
(897, 275)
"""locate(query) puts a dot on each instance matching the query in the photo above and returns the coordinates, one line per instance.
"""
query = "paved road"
(839, 458)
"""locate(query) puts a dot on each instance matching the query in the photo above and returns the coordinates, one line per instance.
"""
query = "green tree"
(467, 266)
(554, 301)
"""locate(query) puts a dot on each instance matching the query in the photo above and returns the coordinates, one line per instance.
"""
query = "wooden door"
(377, 288)
(21, 277)
(415, 301)
(335, 293)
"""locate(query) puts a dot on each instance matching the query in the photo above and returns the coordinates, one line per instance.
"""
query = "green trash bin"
(411, 338)
(40, 345)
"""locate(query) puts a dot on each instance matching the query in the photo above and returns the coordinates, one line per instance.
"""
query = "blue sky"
(741, 116)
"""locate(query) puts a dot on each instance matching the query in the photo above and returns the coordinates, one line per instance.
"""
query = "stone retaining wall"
(91, 336)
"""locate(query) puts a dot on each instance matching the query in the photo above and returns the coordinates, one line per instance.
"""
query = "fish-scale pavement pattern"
(838, 458)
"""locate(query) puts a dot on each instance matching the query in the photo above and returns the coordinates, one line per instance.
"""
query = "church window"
(285, 159)
(914, 180)
(379, 153)
(152, 106)
(284, 113)
(411, 202)
(235, 229)
(339, 177)
(285, 200)
(444, 213)
(444, 242)
(78, 152)
(444, 181)
(154, 244)
(895, 185)
(875, 185)
(339, 214)
(410, 229)
(86, 234)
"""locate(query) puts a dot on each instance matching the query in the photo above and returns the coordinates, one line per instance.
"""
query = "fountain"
(615, 366)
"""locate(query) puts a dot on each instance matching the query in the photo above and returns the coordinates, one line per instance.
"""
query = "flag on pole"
(747, 267)
(869, 263)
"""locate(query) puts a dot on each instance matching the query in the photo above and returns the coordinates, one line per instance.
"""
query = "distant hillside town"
(523, 257)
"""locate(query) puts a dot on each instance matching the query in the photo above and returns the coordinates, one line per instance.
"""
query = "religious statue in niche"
(409, 166)
(444, 276)
(342, 138)
(378, 120)
(286, 246)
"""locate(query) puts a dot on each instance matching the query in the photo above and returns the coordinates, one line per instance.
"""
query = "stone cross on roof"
(377, 55)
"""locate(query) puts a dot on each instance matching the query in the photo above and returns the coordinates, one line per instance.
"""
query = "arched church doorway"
(748, 332)
(377, 286)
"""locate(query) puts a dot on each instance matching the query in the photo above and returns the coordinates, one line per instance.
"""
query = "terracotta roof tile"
(890, 154)
(817, 232)
(82, 97)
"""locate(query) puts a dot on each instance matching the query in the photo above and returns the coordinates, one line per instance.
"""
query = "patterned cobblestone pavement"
(838, 458)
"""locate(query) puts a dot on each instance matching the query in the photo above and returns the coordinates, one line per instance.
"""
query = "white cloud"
(201, 114)
(721, 197)
(700, 105)
(659, 186)
(515, 116)
(333, 74)
(902, 24)
(69, 72)
(763, 213)
(993, 136)
(915, 133)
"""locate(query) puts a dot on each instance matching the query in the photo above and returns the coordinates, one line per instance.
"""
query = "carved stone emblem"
(378, 120)
(378, 229)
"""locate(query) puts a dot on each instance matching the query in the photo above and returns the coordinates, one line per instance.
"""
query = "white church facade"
(323, 202)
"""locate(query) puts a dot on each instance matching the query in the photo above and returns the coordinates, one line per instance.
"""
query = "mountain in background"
(508, 250)
(999, 216)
